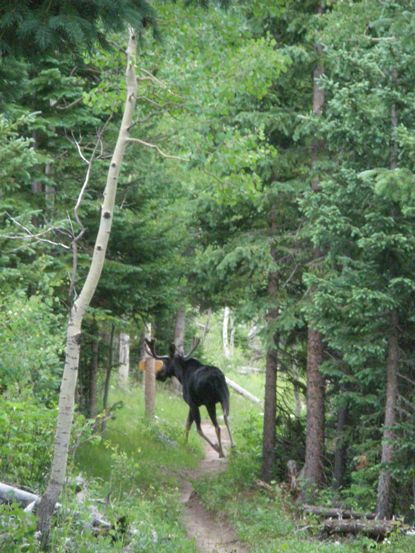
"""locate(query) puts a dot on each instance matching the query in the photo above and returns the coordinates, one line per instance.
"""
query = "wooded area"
(238, 169)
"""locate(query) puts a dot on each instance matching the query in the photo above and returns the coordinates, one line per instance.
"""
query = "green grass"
(269, 523)
(138, 465)
(157, 448)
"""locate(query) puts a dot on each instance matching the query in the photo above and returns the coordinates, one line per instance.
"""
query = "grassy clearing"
(137, 466)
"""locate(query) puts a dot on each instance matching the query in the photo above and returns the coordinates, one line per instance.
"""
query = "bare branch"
(157, 148)
(162, 84)
(407, 379)
(29, 235)
(70, 105)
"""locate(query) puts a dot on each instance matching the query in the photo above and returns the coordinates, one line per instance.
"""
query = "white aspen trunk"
(149, 380)
(124, 359)
(225, 332)
(231, 335)
(180, 330)
(179, 334)
(70, 373)
(242, 392)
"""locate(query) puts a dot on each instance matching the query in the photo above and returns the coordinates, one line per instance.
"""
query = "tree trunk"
(108, 376)
(67, 392)
(270, 401)
(206, 326)
(298, 405)
(124, 359)
(225, 332)
(242, 392)
(92, 407)
(313, 466)
(231, 335)
(383, 504)
(270, 407)
(50, 192)
(383, 507)
(341, 447)
(149, 381)
(179, 330)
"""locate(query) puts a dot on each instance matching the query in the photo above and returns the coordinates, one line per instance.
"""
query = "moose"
(202, 385)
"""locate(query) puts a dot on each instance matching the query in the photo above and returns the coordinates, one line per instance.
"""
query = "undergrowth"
(131, 476)
(269, 522)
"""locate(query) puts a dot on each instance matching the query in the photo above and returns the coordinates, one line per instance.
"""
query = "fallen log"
(241, 391)
(8, 494)
(377, 529)
(336, 512)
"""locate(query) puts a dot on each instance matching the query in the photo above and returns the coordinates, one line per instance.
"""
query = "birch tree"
(81, 304)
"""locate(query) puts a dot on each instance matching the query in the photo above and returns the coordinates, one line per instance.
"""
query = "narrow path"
(211, 533)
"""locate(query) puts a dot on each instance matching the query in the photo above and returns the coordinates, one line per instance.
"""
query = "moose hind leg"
(225, 417)
(211, 409)
(196, 416)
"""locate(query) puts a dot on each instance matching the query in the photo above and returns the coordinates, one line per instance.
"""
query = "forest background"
(272, 173)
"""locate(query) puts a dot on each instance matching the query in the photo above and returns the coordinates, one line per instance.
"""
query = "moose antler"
(150, 349)
(195, 344)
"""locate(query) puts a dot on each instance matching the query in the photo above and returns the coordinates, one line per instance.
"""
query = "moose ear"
(172, 351)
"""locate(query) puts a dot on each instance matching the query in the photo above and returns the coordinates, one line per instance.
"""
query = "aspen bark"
(225, 332)
(108, 376)
(78, 310)
(149, 381)
(179, 331)
(124, 359)
(92, 408)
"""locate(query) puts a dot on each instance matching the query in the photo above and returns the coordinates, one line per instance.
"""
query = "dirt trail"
(211, 534)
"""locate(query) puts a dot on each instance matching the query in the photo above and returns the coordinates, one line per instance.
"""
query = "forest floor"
(211, 532)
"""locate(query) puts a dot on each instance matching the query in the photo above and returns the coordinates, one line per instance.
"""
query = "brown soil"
(211, 532)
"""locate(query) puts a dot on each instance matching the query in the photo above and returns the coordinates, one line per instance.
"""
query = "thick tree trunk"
(313, 466)
(313, 473)
(149, 381)
(372, 528)
(383, 506)
(124, 359)
(67, 392)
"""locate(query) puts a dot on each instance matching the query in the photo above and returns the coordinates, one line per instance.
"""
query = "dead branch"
(29, 235)
(336, 512)
(157, 148)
